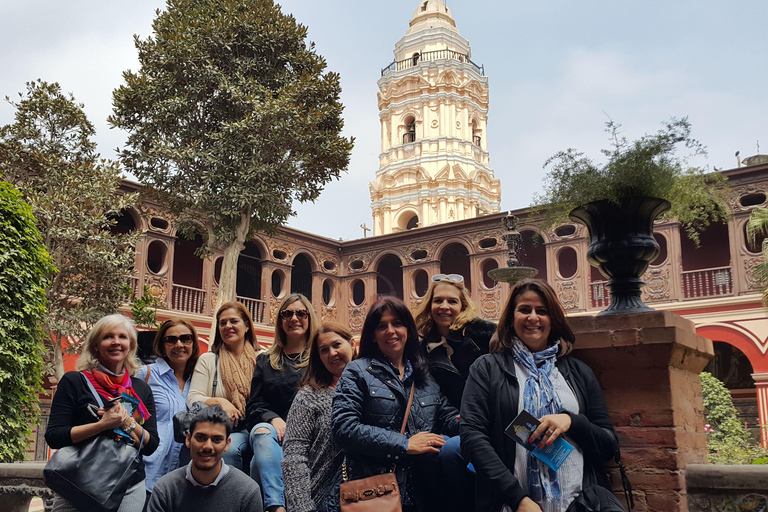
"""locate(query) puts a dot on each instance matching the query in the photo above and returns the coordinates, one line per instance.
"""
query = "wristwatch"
(131, 426)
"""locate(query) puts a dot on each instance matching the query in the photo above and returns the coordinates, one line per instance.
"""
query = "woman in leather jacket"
(370, 403)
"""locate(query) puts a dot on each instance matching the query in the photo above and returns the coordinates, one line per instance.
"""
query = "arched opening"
(420, 282)
(476, 136)
(533, 253)
(328, 292)
(755, 247)
(301, 276)
(567, 262)
(249, 272)
(410, 128)
(278, 279)
(156, 253)
(707, 269)
(389, 279)
(662, 257)
(732, 367)
(489, 265)
(455, 260)
(188, 268)
(124, 223)
(358, 292)
(413, 222)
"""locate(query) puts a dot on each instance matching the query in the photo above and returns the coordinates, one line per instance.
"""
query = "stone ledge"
(712, 478)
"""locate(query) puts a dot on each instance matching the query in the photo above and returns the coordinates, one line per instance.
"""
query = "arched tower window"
(410, 130)
(476, 136)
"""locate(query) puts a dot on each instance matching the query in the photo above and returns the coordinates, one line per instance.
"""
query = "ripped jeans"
(265, 464)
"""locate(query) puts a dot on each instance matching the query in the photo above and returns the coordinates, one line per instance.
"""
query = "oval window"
(156, 253)
(358, 292)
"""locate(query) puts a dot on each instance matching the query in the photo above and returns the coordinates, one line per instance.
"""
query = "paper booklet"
(552, 455)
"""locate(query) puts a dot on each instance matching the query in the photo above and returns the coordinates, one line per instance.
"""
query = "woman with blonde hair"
(311, 458)
(106, 365)
(222, 376)
(273, 387)
(454, 337)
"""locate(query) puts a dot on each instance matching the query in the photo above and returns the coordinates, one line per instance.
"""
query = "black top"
(272, 391)
(70, 409)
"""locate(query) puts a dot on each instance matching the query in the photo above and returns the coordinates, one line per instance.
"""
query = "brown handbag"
(378, 493)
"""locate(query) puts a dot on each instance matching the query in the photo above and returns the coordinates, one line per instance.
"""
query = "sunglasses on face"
(186, 339)
(454, 278)
(287, 314)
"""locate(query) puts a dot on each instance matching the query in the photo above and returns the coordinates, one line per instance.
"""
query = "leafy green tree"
(728, 441)
(48, 153)
(231, 118)
(144, 310)
(758, 225)
(24, 267)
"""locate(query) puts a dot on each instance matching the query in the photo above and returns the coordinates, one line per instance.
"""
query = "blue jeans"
(239, 453)
(459, 481)
(265, 464)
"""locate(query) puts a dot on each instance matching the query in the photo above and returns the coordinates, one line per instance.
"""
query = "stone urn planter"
(621, 245)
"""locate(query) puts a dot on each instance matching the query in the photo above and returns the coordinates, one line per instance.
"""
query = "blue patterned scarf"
(539, 399)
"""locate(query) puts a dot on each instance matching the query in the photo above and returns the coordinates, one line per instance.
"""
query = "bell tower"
(433, 109)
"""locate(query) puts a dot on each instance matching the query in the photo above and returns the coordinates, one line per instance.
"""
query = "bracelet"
(131, 426)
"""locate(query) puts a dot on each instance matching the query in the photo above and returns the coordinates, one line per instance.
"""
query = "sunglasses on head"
(186, 339)
(287, 314)
(454, 278)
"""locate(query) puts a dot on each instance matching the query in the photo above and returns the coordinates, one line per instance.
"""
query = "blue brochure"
(130, 403)
(552, 455)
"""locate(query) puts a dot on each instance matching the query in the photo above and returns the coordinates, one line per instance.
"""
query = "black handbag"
(93, 475)
(183, 419)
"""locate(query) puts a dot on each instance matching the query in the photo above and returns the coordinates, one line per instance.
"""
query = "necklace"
(293, 357)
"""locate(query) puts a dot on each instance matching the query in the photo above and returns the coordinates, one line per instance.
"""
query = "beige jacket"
(201, 386)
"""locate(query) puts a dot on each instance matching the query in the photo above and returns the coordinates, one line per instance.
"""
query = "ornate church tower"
(433, 107)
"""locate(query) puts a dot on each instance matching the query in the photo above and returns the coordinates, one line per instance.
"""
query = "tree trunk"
(228, 277)
(58, 361)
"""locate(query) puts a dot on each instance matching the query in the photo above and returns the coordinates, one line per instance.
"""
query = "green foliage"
(758, 225)
(728, 442)
(648, 166)
(144, 310)
(231, 118)
(48, 153)
(24, 267)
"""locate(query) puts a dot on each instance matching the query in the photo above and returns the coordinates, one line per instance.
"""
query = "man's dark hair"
(214, 415)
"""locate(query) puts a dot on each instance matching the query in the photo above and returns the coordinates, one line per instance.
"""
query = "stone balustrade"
(19, 483)
(714, 488)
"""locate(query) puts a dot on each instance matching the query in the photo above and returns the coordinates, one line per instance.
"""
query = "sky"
(558, 70)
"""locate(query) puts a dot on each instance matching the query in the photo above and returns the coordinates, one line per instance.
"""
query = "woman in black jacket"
(106, 364)
(454, 338)
(529, 368)
(370, 403)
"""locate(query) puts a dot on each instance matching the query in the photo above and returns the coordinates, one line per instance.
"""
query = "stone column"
(761, 383)
(648, 365)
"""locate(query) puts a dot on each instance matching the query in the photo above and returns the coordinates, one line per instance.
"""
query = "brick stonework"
(648, 365)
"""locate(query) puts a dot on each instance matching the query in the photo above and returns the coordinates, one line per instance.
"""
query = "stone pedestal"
(648, 365)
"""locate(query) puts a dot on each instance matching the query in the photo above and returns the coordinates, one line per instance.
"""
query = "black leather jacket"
(468, 344)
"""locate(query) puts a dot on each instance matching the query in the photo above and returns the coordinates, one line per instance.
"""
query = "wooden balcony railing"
(413, 61)
(133, 282)
(257, 308)
(187, 299)
(710, 282)
(599, 295)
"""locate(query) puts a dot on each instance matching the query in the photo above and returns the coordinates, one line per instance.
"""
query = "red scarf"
(110, 387)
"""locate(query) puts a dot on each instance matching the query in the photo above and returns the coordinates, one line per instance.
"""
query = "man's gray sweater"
(235, 492)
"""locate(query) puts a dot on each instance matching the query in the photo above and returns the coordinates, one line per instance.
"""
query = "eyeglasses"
(287, 314)
(186, 339)
(454, 278)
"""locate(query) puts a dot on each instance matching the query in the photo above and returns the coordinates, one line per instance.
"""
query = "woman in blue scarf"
(529, 369)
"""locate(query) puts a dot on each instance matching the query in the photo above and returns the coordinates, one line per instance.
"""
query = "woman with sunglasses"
(177, 350)
(273, 387)
(454, 338)
(311, 458)
(223, 376)
(371, 401)
(529, 369)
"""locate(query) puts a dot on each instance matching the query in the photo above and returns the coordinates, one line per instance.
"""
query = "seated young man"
(206, 483)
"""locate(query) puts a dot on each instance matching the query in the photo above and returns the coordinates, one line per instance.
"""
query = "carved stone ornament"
(357, 318)
(214, 297)
(329, 313)
(279, 245)
(322, 257)
(273, 305)
(734, 201)
(568, 295)
(147, 213)
(365, 257)
(656, 284)
(158, 287)
(429, 247)
(490, 233)
(753, 281)
(490, 304)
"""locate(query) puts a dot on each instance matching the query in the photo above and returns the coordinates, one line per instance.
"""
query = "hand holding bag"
(93, 475)
(378, 493)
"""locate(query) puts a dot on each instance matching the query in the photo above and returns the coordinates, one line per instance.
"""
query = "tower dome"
(433, 109)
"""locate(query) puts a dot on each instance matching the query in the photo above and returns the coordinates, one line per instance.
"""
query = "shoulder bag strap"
(93, 391)
(149, 371)
(215, 377)
(408, 409)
